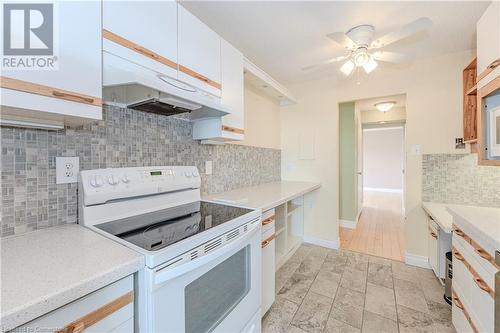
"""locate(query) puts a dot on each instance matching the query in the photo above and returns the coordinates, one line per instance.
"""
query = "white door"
(151, 27)
(199, 53)
(232, 86)
(219, 291)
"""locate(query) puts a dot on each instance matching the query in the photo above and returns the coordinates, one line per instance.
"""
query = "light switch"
(416, 149)
(208, 167)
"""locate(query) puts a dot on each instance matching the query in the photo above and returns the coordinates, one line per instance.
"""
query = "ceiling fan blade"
(341, 39)
(390, 57)
(406, 31)
(325, 63)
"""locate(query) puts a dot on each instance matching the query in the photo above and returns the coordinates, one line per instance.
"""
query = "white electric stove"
(203, 260)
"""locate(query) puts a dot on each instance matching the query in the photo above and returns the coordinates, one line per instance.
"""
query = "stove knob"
(125, 179)
(187, 174)
(96, 181)
(113, 180)
(195, 174)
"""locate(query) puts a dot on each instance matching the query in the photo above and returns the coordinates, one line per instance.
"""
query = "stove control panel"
(102, 185)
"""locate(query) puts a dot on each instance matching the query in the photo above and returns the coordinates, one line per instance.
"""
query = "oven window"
(211, 297)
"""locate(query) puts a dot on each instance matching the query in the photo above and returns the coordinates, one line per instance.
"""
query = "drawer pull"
(145, 52)
(72, 97)
(268, 240)
(97, 315)
(268, 220)
(482, 253)
(458, 303)
(433, 234)
(457, 255)
(481, 284)
(459, 232)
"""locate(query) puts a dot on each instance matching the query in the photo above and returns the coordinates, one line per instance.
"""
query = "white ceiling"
(368, 104)
(281, 37)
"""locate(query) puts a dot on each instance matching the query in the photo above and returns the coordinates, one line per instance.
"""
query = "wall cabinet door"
(199, 53)
(488, 39)
(144, 32)
(75, 87)
(232, 87)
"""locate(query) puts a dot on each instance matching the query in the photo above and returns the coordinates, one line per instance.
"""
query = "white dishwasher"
(268, 260)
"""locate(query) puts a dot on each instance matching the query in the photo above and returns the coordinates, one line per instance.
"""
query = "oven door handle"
(165, 274)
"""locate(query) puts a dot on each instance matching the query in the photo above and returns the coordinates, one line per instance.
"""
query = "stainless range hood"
(130, 85)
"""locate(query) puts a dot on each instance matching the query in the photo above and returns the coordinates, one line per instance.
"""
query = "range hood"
(130, 85)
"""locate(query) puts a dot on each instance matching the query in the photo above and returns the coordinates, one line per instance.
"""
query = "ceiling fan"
(365, 51)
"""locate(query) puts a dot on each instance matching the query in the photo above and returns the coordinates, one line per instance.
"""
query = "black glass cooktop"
(159, 229)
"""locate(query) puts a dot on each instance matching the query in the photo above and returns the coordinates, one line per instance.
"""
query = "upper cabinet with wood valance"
(488, 45)
(70, 92)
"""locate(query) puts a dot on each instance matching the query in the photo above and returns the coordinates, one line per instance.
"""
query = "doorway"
(379, 182)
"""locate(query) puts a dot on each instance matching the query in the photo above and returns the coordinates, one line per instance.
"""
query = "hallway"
(379, 230)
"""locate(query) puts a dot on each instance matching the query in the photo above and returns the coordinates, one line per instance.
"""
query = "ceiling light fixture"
(347, 67)
(361, 57)
(384, 106)
(370, 65)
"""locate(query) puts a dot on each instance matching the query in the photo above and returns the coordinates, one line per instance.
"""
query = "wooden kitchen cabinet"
(199, 53)
(144, 32)
(70, 93)
(488, 44)
(110, 309)
(470, 103)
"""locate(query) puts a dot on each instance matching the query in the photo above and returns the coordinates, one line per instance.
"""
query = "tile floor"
(323, 290)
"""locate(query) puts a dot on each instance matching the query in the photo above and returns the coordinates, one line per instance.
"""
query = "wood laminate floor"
(379, 231)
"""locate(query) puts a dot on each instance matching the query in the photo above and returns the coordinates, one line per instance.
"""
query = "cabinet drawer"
(105, 310)
(478, 296)
(472, 247)
(459, 316)
(268, 220)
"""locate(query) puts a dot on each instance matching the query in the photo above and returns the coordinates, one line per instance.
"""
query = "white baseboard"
(419, 261)
(347, 224)
(322, 242)
(377, 189)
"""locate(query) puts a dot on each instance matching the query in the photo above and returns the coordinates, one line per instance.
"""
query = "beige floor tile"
(373, 323)
(296, 287)
(336, 326)
(411, 321)
(348, 307)
(380, 275)
(380, 261)
(402, 271)
(313, 313)
(279, 316)
(409, 294)
(326, 283)
(354, 279)
(380, 300)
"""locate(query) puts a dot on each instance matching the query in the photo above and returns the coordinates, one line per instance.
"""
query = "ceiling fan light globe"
(361, 58)
(370, 66)
(347, 67)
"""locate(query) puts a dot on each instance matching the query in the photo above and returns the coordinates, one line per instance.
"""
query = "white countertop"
(440, 214)
(264, 196)
(45, 269)
(481, 223)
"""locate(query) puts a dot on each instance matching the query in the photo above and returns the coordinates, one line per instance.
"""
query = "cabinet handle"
(459, 232)
(481, 284)
(494, 64)
(457, 302)
(146, 52)
(73, 97)
(434, 235)
(201, 77)
(268, 240)
(457, 255)
(268, 220)
(482, 253)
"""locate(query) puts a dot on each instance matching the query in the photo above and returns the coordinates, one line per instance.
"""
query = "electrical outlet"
(67, 169)
(208, 167)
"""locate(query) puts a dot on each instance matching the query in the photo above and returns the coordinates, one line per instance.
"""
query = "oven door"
(219, 291)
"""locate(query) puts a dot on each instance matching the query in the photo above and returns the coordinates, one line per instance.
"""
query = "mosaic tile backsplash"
(124, 138)
(458, 179)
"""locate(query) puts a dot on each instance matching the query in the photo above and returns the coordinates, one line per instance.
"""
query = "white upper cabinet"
(488, 42)
(144, 32)
(71, 92)
(199, 53)
(232, 86)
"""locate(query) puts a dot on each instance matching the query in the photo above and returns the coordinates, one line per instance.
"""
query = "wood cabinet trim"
(155, 56)
(137, 48)
(461, 306)
(482, 93)
(42, 90)
(477, 248)
(99, 314)
(478, 280)
(233, 129)
(469, 90)
(494, 64)
(200, 77)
